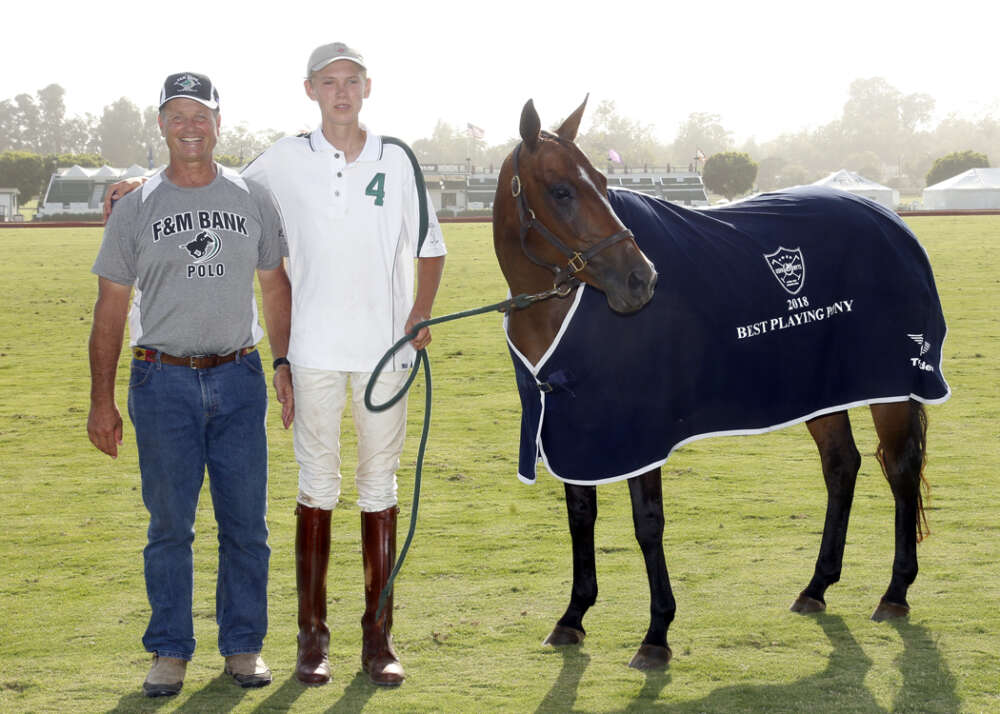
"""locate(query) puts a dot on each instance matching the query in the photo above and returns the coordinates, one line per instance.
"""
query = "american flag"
(474, 131)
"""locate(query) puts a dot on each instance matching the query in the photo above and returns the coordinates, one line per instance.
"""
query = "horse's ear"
(569, 127)
(531, 125)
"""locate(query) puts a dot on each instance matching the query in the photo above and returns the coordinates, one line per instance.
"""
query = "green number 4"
(376, 188)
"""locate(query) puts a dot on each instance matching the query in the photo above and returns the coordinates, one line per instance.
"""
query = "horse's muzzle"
(632, 291)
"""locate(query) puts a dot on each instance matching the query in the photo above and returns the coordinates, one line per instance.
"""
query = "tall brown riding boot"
(312, 556)
(378, 546)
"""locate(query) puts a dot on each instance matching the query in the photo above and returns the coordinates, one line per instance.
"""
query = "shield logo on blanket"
(789, 267)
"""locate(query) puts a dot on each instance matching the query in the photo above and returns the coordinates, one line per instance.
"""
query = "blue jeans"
(186, 420)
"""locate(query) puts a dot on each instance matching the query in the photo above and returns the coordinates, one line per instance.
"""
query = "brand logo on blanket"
(789, 267)
(925, 347)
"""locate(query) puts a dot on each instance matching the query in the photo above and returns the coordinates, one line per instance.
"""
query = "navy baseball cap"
(326, 54)
(190, 85)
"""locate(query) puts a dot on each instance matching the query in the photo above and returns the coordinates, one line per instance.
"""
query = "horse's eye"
(560, 192)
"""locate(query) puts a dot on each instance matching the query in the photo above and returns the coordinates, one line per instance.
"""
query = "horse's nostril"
(639, 283)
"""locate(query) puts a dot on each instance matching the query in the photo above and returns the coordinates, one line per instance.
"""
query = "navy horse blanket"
(767, 312)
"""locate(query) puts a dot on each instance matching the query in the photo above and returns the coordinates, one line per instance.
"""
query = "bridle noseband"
(565, 276)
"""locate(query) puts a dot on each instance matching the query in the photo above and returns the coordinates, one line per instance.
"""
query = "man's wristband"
(280, 361)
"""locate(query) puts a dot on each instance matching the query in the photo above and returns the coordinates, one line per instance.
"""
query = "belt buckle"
(192, 361)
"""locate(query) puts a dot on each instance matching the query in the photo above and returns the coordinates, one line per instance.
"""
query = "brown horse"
(553, 227)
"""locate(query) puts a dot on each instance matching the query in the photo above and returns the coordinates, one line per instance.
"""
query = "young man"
(189, 242)
(350, 201)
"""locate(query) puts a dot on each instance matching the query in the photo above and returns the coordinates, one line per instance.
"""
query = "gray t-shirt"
(191, 254)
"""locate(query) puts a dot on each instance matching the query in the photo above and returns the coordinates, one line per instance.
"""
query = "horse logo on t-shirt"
(205, 246)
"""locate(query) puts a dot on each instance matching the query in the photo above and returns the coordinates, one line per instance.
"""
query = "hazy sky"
(764, 67)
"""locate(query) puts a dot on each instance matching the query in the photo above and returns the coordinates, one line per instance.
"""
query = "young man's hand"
(118, 190)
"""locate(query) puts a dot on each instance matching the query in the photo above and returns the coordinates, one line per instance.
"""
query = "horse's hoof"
(651, 657)
(805, 605)
(889, 611)
(561, 636)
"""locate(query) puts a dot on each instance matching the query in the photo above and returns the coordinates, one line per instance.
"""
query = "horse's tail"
(916, 454)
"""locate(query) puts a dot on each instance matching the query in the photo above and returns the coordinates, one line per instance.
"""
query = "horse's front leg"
(581, 505)
(647, 517)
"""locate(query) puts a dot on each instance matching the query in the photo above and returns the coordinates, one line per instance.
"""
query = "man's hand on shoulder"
(118, 190)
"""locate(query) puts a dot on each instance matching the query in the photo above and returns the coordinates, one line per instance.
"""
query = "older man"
(185, 248)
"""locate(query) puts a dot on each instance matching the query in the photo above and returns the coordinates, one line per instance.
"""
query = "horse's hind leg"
(902, 434)
(647, 517)
(841, 461)
(581, 505)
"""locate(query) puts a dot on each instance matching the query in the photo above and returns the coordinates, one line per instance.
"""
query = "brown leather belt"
(144, 354)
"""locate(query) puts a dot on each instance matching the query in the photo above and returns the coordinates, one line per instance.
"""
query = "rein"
(518, 302)
(565, 276)
(564, 282)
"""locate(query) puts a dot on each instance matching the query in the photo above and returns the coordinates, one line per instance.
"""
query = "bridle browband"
(565, 276)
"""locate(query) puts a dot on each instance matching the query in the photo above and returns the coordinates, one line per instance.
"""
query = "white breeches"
(320, 398)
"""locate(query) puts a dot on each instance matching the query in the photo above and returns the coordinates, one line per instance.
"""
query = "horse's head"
(551, 217)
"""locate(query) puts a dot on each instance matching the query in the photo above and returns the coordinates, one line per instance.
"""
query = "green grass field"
(489, 571)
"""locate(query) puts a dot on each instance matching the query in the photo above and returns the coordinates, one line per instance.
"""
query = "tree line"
(882, 133)
(37, 136)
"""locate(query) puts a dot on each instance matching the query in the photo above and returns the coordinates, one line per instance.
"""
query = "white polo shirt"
(352, 235)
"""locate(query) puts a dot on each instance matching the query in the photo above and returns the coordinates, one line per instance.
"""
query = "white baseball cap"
(325, 54)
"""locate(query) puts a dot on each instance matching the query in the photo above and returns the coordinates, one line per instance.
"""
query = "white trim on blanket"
(533, 368)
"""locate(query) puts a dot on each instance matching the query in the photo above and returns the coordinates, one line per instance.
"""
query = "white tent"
(857, 184)
(80, 191)
(134, 170)
(76, 172)
(975, 188)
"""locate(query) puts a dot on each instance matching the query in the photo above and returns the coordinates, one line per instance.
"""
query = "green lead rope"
(424, 222)
(518, 302)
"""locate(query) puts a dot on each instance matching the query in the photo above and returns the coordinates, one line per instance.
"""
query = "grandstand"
(642, 183)
(455, 191)
(684, 188)
(480, 190)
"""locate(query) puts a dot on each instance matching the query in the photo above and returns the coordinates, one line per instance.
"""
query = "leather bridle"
(565, 277)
